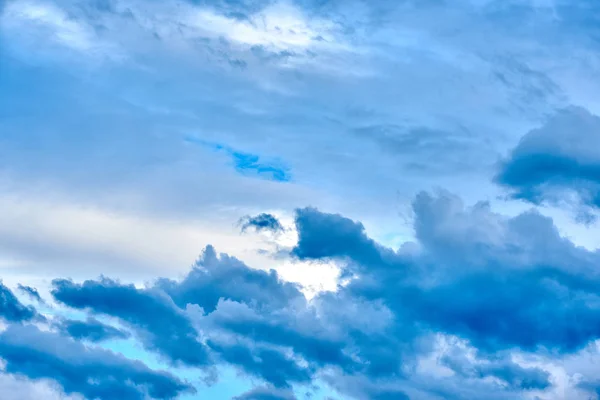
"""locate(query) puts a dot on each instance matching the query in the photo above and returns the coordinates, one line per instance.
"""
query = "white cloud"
(40, 23)
(13, 388)
(63, 29)
(279, 26)
(41, 239)
(38, 234)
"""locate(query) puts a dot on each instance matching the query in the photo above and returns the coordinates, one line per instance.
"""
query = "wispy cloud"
(135, 133)
(45, 22)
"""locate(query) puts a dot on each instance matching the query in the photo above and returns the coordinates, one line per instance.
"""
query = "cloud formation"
(135, 133)
(479, 275)
(31, 292)
(92, 372)
(262, 222)
(11, 309)
(556, 158)
(159, 324)
(485, 284)
(92, 330)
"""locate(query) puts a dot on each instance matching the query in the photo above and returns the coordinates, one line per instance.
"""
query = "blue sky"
(296, 199)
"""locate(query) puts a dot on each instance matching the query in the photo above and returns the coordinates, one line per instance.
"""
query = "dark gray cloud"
(91, 329)
(501, 284)
(268, 364)
(319, 351)
(159, 324)
(262, 222)
(561, 156)
(345, 239)
(486, 278)
(296, 328)
(92, 372)
(11, 309)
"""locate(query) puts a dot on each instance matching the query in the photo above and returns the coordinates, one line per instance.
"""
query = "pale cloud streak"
(42, 24)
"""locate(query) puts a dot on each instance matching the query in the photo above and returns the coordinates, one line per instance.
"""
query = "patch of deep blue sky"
(249, 111)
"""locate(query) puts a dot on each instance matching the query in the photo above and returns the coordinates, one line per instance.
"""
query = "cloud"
(322, 235)
(61, 28)
(33, 21)
(508, 287)
(480, 276)
(262, 222)
(91, 329)
(171, 334)
(11, 309)
(297, 123)
(270, 365)
(505, 370)
(221, 276)
(427, 149)
(20, 388)
(31, 292)
(555, 159)
(304, 332)
(336, 104)
(266, 393)
(93, 372)
(277, 25)
(48, 239)
(241, 305)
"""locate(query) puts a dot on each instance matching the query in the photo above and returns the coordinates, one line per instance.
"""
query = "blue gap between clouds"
(248, 163)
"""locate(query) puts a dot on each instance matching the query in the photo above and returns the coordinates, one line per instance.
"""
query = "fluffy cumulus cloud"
(561, 156)
(91, 372)
(481, 304)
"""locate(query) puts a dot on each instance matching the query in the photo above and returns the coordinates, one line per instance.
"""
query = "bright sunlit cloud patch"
(46, 24)
(278, 26)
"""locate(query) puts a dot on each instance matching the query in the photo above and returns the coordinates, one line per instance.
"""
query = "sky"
(299, 199)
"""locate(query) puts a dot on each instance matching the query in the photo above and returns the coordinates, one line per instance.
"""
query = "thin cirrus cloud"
(31, 22)
(307, 147)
